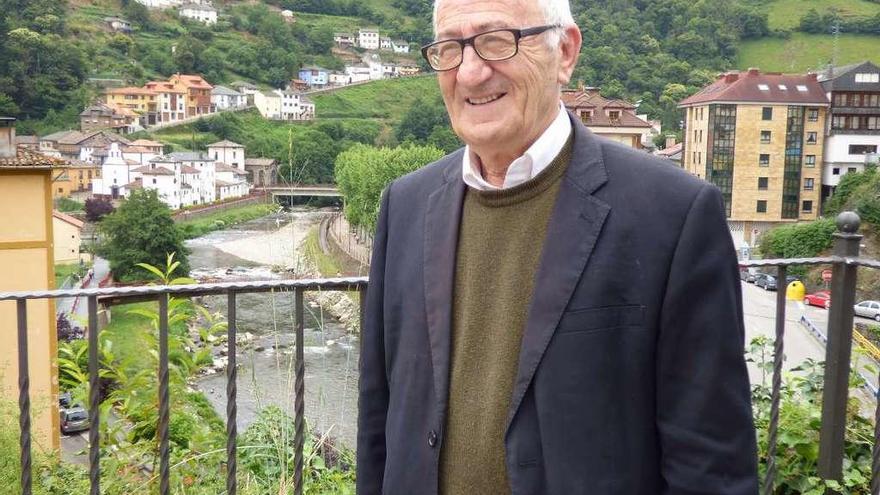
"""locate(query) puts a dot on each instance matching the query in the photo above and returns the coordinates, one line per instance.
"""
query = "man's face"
(503, 105)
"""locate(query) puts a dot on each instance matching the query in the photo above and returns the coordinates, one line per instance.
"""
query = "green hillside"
(786, 14)
(806, 51)
(386, 99)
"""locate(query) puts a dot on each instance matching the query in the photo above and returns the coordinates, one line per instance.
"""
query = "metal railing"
(162, 294)
(838, 341)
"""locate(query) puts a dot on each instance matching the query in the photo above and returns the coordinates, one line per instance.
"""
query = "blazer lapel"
(571, 236)
(441, 242)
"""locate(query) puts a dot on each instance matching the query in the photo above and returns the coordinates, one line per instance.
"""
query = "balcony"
(844, 262)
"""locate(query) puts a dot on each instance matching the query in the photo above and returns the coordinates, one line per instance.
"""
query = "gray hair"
(555, 12)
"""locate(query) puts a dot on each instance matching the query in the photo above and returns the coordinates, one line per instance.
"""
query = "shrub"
(98, 208)
(801, 240)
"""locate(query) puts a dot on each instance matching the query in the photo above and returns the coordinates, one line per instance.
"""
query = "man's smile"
(485, 99)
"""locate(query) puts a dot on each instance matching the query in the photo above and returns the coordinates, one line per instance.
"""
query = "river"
(254, 251)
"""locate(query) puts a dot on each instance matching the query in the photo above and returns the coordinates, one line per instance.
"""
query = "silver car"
(74, 419)
(868, 309)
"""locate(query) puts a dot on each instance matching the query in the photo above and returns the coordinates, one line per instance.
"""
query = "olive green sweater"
(499, 246)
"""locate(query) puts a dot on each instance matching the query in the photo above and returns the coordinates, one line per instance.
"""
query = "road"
(759, 308)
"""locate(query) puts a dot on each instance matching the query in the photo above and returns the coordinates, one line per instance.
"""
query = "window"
(808, 184)
(811, 137)
(840, 100)
(810, 160)
(767, 113)
(614, 114)
(764, 160)
(154, 180)
(813, 115)
(762, 206)
(861, 149)
(807, 206)
(873, 123)
(782, 87)
(763, 87)
(60, 190)
(867, 77)
(801, 88)
(835, 171)
(838, 122)
(762, 183)
(851, 170)
(765, 136)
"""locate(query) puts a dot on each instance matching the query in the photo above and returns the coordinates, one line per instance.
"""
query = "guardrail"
(162, 294)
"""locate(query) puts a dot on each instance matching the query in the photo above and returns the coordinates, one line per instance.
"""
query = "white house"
(202, 13)
(357, 73)
(231, 182)
(389, 69)
(223, 98)
(227, 152)
(268, 103)
(160, 4)
(368, 39)
(337, 78)
(164, 181)
(853, 140)
(400, 46)
(201, 164)
(307, 108)
(384, 43)
(344, 39)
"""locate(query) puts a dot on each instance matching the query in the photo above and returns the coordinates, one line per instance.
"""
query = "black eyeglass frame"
(463, 42)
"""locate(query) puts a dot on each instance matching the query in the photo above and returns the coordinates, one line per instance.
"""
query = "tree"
(141, 231)
(98, 208)
(812, 22)
(363, 172)
(420, 121)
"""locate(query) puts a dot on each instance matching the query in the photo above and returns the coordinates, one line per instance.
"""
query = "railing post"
(299, 397)
(24, 398)
(839, 348)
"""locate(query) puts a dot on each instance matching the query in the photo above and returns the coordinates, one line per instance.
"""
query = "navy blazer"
(631, 375)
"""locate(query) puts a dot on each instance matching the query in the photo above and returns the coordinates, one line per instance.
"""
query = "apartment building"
(759, 138)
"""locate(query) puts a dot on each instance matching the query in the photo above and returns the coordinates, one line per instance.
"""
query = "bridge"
(314, 191)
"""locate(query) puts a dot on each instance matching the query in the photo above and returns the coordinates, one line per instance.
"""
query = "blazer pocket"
(605, 318)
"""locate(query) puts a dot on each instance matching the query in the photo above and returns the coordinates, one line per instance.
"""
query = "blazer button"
(432, 439)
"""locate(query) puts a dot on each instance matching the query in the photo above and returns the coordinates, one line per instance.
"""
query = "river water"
(267, 249)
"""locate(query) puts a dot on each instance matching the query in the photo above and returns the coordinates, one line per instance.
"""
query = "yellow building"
(141, 100)
(758, 137)
(27, 259)
(75, 176)
(67, 237)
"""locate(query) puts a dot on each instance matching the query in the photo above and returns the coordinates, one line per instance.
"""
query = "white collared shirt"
(536, 158)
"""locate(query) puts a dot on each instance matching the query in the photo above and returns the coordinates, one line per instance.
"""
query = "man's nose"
(473, 69)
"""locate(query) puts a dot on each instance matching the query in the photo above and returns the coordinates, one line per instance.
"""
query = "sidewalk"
(353, 241)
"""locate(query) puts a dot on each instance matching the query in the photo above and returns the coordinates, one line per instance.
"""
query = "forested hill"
(650, 51)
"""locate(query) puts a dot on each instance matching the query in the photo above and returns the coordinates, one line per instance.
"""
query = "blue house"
(314, 76)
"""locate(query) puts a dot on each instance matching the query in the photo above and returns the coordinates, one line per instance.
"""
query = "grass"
(786, 14)
(127, 332)
(384, 99)
(806, 51)
(63, 271)
(327, 266)
(223, 219)
(67, 205)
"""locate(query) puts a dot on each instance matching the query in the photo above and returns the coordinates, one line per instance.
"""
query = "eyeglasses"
(492, 46)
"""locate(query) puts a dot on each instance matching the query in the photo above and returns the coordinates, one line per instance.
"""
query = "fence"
(845, 261)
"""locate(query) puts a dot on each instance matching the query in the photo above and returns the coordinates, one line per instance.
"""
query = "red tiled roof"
(754, 86)
(672, 150)
(146, 142)
(589, 98)
(131, 90)
(67, 218)
(25, 158)
(186, 169)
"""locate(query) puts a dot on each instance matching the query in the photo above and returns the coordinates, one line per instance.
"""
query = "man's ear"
(569, 49)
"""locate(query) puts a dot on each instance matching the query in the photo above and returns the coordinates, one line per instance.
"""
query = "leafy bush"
(851, 187)
(68, 205)
(802, 240)
(66, 331)
(98, 208)
(800, 414)
(363, 172)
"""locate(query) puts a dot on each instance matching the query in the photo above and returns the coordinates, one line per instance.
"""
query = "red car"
(821, 299)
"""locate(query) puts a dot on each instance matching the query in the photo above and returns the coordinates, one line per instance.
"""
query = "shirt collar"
(539, 155)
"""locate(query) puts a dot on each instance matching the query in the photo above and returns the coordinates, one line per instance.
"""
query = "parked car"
(748, 274)
(868, 309)
(765, 281)
(64, 400)
(821, 298)
(74, 419)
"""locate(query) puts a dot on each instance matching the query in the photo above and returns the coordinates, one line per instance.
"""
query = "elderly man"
(548, 312)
